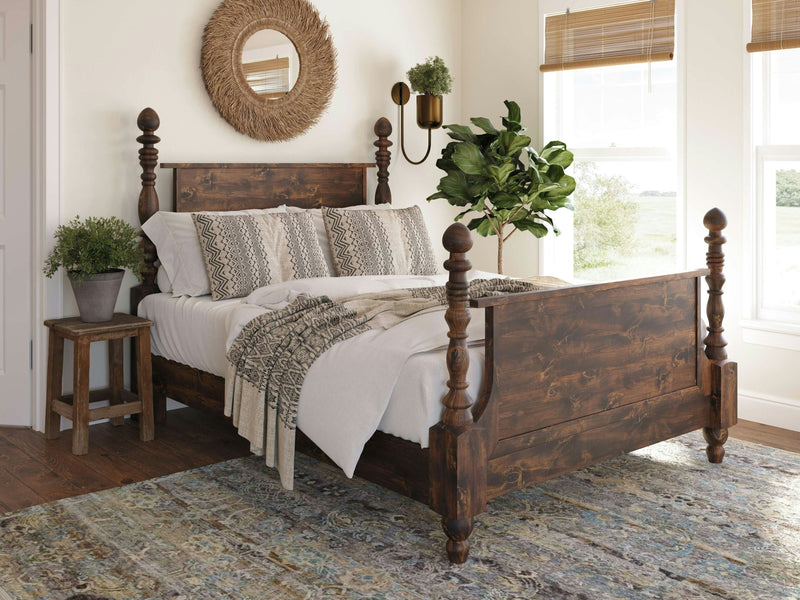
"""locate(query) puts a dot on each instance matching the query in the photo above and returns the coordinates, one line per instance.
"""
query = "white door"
(15, 212)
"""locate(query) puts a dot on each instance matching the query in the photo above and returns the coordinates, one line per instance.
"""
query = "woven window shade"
(776, 25)
(268, 78)
(613, 35)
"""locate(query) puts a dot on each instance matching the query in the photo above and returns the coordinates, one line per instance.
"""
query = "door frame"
(47, 294)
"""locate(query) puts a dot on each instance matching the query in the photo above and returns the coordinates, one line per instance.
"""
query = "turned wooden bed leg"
(159, 403)
(716, 439)
(723, 373)
(458, 459)
(458, 532)
(383, 129)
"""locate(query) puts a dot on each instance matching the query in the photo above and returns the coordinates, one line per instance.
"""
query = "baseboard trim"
(769, 410)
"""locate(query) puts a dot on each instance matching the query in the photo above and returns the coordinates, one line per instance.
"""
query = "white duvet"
(346, 394)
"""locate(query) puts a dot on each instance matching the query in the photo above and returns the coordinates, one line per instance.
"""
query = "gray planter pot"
(97, 295)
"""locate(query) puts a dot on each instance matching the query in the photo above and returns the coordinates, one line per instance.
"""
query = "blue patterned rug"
(660, 523)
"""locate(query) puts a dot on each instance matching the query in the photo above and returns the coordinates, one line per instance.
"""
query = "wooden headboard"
(239, 186)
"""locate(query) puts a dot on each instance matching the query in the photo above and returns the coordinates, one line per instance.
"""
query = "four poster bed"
(572, 376)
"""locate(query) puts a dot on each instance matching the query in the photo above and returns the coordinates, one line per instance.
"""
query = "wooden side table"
(75, 406)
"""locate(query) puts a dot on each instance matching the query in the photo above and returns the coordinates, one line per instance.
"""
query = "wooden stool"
(75, 406)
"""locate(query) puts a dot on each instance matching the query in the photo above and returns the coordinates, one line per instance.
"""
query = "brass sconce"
(429, 115)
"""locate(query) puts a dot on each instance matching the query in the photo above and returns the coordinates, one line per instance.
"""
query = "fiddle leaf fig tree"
(503, 194)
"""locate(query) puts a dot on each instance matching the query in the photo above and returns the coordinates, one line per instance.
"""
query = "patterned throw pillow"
(379, 242)
(244, 252)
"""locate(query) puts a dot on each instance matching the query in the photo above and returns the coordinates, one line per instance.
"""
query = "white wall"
(497, 66)
(718, 164)
(119, 56)
(499, 62)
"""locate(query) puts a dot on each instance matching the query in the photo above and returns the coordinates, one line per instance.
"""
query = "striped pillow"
(244, 252)
(379, 242)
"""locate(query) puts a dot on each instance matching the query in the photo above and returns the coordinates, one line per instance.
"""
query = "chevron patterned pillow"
(379, 242)
(245, 252)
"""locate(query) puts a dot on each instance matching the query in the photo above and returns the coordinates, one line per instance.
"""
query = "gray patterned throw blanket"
(268, 361)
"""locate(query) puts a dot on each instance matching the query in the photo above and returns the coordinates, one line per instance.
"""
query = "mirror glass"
(270, 64)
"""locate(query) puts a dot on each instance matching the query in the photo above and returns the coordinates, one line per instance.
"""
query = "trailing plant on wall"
(431, 77)
(487, 176)
(95, 245)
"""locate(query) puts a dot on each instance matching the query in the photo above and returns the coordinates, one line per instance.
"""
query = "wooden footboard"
(574, 376)
(585, 373)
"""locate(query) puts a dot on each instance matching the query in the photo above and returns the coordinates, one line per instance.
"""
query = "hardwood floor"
(34, 470)
(767, 436)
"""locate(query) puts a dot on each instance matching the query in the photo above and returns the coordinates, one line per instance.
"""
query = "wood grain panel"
(189, 386)
(246, 186)
(632, 427)
(564, 357)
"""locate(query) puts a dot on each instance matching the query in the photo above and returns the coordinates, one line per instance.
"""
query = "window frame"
(767, 325)
(552, 249)
(260, 76)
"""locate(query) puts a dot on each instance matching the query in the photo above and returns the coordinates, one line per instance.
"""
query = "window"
(620, 120)
(776, 133)
(268, 78)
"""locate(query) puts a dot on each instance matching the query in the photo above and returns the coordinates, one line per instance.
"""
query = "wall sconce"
(429, 115)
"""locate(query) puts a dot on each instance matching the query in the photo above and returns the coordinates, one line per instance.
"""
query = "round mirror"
(270, 64)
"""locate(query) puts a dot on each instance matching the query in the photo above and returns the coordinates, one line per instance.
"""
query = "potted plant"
(487, 176)
(94, 252)
(431, 80)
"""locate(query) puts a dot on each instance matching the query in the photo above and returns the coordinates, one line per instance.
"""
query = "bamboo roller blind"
(268, 78)
(776, 25)
(611, 35)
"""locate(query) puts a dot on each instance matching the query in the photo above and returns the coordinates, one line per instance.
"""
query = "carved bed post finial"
(383, 129)
(457, 404)
(723, 377)
(148, 122)
(715, 222)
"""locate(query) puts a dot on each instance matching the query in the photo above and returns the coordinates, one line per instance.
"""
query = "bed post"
(148, 122)
(723, 376)
(458, 461)
(383, 129)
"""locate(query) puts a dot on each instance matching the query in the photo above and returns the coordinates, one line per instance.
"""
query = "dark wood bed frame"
(573, 376)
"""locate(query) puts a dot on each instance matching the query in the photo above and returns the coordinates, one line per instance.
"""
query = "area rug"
(659, 523)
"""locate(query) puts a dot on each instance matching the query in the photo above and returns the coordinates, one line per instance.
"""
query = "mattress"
(195, 331)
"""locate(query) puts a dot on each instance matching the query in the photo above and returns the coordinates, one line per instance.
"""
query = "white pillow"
(322, 233)
(162, 280)
(178, 248)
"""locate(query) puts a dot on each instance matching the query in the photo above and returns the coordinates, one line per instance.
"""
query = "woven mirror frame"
(270, 120)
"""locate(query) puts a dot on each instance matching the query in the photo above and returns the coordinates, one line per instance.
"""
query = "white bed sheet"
(194, 331)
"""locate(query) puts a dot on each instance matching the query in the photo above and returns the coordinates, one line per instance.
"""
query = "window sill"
(775, 334)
